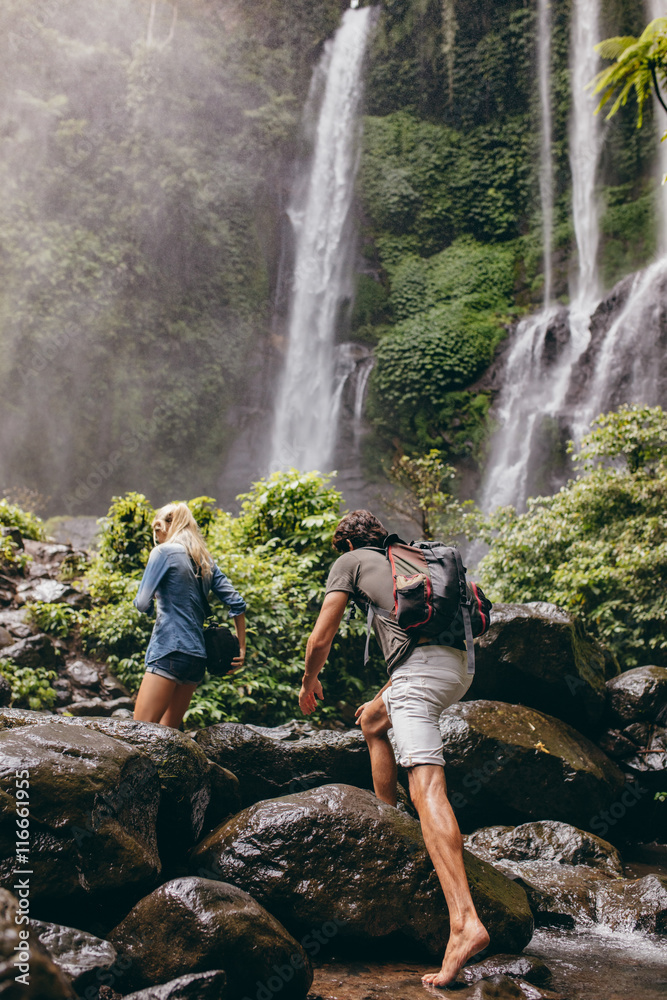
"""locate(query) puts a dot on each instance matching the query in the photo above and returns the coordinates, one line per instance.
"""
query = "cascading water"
(320, 211)
(629, 365)
(545, 351)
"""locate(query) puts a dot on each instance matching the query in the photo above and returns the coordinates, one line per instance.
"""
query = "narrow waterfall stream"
(307, 406)
(546, 348)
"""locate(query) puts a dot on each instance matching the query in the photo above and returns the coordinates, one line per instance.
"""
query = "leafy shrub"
(599, 546)
(56, 619)
(31, 688)
(127, 537)
(12, 516)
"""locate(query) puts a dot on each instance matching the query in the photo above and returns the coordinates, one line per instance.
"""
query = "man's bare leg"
(375, 724)
(443, 842)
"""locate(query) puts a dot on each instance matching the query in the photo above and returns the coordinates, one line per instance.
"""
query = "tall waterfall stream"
(309, 399)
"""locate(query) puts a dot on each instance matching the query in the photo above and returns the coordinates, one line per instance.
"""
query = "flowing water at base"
(591, 965)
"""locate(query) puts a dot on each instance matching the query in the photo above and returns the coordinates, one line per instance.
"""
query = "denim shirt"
(169, 579)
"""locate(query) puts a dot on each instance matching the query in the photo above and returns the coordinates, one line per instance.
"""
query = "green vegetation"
(599, 546)
(31, 687)
(428, 500)
(640, 65)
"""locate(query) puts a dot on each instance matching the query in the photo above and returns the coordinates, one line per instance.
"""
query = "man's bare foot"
(460, 948)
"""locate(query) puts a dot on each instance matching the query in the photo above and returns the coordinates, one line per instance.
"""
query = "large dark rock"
(187, 777)
(35, 651)
(540, 656)
(197, 925)
(93, 805)
(510, 764)
(199, 986)
(82, 957)
(21, 954)
(337, 857)
(279, 764)
(638, 695)
(545, 841)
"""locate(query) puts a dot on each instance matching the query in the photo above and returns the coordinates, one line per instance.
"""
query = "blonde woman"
(179, 575)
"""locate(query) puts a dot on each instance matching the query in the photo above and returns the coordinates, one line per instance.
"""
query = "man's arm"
(319, 644)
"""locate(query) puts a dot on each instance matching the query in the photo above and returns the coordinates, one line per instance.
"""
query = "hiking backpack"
(432, 597)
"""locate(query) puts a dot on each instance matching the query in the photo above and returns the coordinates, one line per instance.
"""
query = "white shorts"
(422, 687)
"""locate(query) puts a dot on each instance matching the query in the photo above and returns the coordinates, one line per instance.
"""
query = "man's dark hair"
(361, 528)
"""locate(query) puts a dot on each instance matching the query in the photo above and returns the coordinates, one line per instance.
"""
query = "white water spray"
(320, 211)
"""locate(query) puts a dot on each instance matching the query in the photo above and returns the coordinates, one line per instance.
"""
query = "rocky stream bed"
(245, 863)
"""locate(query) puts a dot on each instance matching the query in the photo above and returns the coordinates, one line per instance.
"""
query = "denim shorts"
(422, 687)
(184, 668)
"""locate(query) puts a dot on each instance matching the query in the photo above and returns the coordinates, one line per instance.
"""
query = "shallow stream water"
(590, 965)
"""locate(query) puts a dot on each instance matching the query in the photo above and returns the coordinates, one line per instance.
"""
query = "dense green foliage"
(31, 686)
(428, 500)
(599, 546)
(277, 553)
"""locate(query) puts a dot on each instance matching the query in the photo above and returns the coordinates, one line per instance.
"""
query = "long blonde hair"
(182, 527)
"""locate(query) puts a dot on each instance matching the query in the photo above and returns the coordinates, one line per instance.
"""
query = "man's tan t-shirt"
(366, 575)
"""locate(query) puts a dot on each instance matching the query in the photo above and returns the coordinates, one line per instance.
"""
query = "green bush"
(127, 538)
(12, 516)
(599, 546)
(56, 619)
(31, 688)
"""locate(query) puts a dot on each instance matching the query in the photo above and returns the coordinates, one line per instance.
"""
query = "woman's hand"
(237, 662)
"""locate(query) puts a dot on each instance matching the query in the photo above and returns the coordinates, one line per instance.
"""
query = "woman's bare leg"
(177, 707)
(153, 699)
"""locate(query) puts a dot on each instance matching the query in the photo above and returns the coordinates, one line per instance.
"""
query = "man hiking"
(425, 679)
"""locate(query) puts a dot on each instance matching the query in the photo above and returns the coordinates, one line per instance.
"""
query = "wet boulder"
(199, 986)
(82, 957)
(540, 656)
(510, 764)
(22, 955)
(192, 925)
(338, 861)
(640, 750)
(634, 904)
(502, 987)
(638, 695)
(559, 895)
(281, 762)
(183, 768)
(545, 841)
(92, 804)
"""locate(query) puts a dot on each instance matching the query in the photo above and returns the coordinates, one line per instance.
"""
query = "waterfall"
(656, 8)
(305, 419)
(546, 159)
(547, 347)
(585, 145)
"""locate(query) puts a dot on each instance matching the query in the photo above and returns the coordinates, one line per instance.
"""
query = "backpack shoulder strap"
(464, 601)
